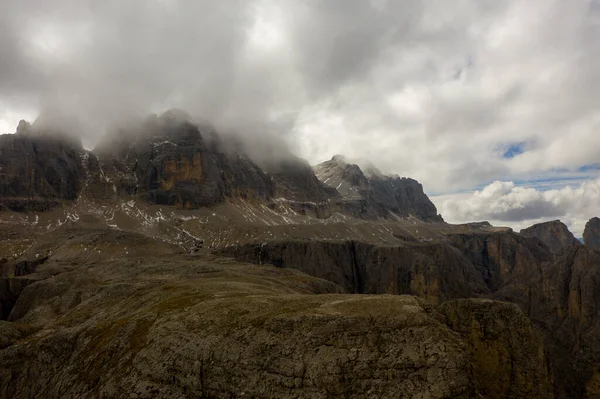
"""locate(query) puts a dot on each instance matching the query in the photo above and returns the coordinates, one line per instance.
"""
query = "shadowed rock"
(37, 173)
(506, 352)
(554, 234)
(591, 234)
(169, 162)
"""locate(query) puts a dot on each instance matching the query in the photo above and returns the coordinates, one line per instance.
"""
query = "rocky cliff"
(169, 160)
(591, 234)
(505, 350)
(376, 195)
(38, 173)
(554, 234)
(558, 291)
(436, 272)
(166, 325)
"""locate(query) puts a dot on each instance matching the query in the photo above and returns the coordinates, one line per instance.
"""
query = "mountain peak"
(374, 195)
(591, 234)
(340, 159)
(555, 234)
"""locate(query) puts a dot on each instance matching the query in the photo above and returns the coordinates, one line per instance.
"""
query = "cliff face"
(170, 163)
(506, 352)
(554, 234)
(376, 195)
(558, 292)
(172, 326)
(298, 187)
(37, 173)
(591, 234)
(169, 160)
(436, 272)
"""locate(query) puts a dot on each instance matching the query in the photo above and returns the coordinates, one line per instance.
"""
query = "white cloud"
(437, 91)
(469, 81)
(506, 204)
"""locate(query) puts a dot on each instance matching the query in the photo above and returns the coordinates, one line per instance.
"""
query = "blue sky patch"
(589, 167)
(513, 150)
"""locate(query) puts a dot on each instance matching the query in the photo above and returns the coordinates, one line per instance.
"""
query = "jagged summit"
(555, 234)
(339, 158)
(591, 234)
(170, 161)
(374, 194)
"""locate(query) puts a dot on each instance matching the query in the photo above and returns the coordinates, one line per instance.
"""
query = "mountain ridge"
(168, 160)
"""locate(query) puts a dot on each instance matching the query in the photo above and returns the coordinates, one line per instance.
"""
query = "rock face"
(297, 185)
(376, 195)
(554, 234)
(10, 333)
(591, 234)
(557, 291)
(506, 352)
(37, 173)
(169, 162)
(362, 268)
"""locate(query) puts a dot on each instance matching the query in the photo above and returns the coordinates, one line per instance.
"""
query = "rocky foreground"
(178, 326)
(172, 265)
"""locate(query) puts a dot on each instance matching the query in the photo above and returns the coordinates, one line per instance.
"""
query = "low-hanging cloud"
(505, 203)
(435, 91)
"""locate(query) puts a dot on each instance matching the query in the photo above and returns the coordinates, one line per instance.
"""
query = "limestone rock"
(23, 127)
(506, 351)
(375, 195)
(362, 268)
(169, 162)
(297, 185)
(10, 333)
(38, 173)
(554, 234)
(591, 234)
(557, 291)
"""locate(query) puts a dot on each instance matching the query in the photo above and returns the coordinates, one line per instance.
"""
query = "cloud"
(466, 82)
(505, 203)
(455, 94)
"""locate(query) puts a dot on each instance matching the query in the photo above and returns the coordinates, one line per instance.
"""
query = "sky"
(492, 105)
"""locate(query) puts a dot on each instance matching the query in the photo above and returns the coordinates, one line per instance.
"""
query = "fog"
(106, 63)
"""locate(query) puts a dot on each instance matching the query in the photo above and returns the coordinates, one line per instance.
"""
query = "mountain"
(591, 234)
(168, 263)
(376, 195)
(169, 162)
(37, 173)
(554, 234)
